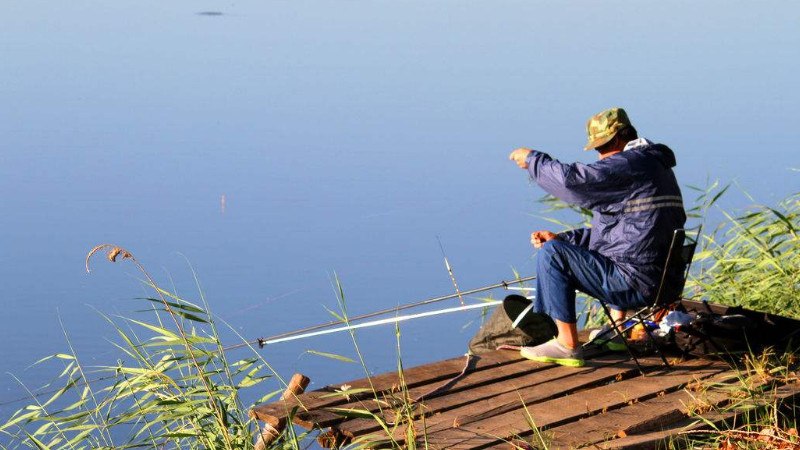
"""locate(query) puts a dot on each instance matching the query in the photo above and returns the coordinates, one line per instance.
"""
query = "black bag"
(711, 334)
(532, 329)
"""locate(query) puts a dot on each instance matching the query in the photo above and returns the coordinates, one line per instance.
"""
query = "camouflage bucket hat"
(602, 127)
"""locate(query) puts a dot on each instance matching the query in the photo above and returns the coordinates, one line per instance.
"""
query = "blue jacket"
(635, 202)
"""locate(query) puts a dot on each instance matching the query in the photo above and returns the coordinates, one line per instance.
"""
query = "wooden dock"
(505, 401)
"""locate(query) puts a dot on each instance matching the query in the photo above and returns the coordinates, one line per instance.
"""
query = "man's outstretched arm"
(588, 186)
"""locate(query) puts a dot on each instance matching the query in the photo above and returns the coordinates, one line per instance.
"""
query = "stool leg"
(616, 328)
(653, 340)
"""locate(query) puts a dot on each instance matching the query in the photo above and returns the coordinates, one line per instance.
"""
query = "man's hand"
(540, 237)
(520, 156)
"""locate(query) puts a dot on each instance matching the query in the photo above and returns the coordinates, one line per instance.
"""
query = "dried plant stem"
(744, 433)
(116, 251)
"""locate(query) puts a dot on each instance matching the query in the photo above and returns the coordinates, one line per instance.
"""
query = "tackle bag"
(532, 329)
(711, 334)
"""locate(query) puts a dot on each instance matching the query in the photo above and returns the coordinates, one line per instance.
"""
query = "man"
(636, 205)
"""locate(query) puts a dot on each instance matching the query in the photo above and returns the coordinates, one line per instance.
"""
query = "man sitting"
(636, 205)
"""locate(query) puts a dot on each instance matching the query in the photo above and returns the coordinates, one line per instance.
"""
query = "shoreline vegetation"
(174, 387)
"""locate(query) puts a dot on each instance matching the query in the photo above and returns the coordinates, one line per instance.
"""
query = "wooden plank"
(658, 439)
(647, 423)
(329, 416)
(558, 381)
(276, 413)
(546, 378)
(478, 430)
(537, 391)
(561, 410)
(656, 413)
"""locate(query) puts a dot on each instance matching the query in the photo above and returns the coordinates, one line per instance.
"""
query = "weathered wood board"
(505, 401)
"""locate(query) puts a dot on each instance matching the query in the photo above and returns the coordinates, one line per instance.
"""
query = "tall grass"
(751, 418)
(172, 388)
(752, 259)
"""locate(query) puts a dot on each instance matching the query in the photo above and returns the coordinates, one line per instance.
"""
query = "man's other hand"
(540, 237)
(520, 156)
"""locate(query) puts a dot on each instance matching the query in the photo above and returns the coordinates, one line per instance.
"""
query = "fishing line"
(41, 394)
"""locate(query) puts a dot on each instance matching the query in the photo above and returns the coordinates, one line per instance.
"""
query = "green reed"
(172, 388)
(752, 259)
(751, 417)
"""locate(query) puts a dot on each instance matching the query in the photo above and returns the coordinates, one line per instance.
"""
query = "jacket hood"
(660, 152)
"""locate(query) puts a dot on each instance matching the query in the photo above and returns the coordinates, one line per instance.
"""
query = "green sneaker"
(553, 352)
(610, 339)
(616, 345)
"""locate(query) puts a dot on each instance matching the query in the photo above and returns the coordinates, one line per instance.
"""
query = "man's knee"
(551, 253)
(552, 248)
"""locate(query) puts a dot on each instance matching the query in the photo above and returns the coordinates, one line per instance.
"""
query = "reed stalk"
(172, 388)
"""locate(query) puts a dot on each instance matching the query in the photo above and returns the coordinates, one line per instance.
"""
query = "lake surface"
(345, 137)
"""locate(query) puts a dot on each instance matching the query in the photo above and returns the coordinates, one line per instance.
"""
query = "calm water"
(345, 137)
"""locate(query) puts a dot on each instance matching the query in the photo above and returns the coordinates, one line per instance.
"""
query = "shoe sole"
(569, 362)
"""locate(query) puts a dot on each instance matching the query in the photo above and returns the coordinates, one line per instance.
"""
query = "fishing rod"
(450, 271)
(311, 331)
(263, 342)
(502, 284)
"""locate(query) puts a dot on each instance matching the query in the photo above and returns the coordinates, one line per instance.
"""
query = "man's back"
(636, 204)
(636, 232)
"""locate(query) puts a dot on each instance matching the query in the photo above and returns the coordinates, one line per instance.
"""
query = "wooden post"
(297, 385)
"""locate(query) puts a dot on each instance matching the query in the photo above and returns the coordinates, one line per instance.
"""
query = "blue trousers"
(562, 268)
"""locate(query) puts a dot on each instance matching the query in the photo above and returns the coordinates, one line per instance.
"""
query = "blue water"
(345, 137)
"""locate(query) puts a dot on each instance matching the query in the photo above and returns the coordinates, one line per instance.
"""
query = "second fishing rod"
(395, 309)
